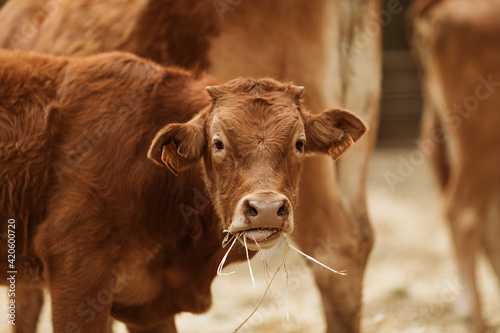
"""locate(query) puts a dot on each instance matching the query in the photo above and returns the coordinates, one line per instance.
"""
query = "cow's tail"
(432, 133)
(434, 141)
(416, 11)
(419, 8)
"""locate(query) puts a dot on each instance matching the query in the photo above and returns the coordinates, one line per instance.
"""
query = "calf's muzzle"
(262, 217)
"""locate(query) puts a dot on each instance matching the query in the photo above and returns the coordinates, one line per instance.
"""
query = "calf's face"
(252, 141)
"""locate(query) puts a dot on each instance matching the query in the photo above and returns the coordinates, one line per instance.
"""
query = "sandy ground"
(411, 282)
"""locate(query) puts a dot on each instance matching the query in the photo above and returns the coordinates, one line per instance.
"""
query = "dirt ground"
(410, 285)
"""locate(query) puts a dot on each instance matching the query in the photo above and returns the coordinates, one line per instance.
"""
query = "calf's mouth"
(265, 238)
(255, 239)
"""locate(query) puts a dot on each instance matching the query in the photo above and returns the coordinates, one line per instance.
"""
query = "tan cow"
(458, 45)
(330, 46)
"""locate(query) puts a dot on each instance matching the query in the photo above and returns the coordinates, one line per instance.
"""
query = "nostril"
(283, 210)
(250, 210)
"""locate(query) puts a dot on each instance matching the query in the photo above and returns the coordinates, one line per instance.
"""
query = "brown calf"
(332, 47)
(109, 232)
(457, 43)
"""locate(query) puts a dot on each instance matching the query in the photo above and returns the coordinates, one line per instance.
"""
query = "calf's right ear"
(177, 146)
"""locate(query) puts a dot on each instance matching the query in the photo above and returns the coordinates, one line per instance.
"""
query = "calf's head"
(252, 141)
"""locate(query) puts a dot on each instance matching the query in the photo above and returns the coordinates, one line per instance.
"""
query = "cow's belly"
(229, 58)
(255, 41)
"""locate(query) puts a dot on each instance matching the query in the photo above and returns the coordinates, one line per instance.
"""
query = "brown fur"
(457, 45)
(98, 223)
(40, 25)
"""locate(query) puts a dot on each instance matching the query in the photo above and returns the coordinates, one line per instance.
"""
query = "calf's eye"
(219, 145)
(299, 145)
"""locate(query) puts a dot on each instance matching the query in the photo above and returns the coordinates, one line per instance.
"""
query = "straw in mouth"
(264, 234)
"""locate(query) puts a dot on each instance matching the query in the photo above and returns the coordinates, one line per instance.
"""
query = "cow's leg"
(491, 235)
(78, 268)
(333, 207)
(168, 327)
(465, 212)
(348, 238)
(82, 306)
(29, 302)
(332, 200)
(338, 230)
(466, 236)
(327, 233)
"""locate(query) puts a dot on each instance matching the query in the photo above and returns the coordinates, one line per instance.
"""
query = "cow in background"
(331, 47)
(457, 45)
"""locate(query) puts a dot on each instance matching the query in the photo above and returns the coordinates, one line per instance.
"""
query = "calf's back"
(74, 136)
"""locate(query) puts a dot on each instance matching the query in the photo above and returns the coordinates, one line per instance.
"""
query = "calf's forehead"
(257, 115)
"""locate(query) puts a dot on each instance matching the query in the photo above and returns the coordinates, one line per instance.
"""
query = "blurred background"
(411, 283)
(401, 102)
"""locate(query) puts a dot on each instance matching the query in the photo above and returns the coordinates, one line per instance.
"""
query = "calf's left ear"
(177, 146)
(333, 131)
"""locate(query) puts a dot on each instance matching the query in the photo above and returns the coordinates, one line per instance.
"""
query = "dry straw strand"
(223, 261)
(265, 293)
(283, 264)
(315, 260)
(267, 269)
(228, 238)
(286, 287)
(248, 260)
